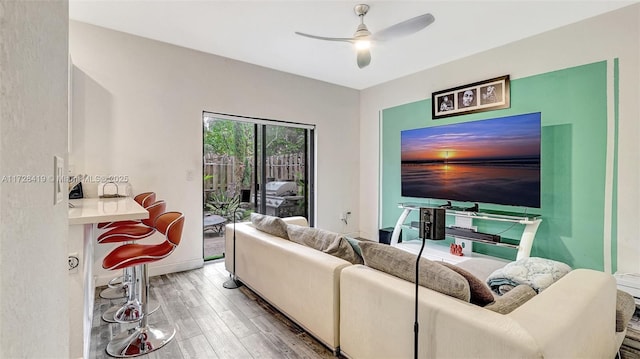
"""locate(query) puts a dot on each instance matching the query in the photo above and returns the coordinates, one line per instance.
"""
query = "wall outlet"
(74, 262)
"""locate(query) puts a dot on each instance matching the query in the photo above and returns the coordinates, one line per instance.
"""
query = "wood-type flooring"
(211, 321)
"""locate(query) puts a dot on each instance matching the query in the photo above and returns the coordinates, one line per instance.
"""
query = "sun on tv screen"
(489, 161)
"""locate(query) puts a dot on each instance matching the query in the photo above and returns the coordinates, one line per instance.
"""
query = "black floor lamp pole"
(416, 326)
(432, 226)
(233, 283)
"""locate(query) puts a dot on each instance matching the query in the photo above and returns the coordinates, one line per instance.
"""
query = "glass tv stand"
(465, 219)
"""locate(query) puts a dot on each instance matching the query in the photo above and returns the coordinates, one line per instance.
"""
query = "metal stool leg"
(117, 290)
(114, 293)
(131, 310)
(109, 315)
(144, 338)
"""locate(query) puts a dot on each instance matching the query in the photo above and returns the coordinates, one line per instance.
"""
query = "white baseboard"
(158, 270)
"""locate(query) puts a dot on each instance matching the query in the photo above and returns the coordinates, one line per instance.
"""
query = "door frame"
(310, 141)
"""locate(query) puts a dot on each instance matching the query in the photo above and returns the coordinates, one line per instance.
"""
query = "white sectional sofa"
(573, 318)
(301, 282)
(365, 313)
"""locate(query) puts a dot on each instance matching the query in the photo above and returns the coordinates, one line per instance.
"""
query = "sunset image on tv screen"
(488, 161)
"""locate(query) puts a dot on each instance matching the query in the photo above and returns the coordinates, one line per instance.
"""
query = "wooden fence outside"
(225, 173)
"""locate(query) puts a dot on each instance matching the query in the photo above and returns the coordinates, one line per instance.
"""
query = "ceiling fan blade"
(364, 58)
(347, 39)
(404, 28)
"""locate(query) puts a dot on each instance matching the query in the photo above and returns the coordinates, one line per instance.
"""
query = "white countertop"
(96, 210)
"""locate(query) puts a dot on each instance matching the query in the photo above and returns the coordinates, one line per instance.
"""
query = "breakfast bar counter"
(84, 214)
(96, 210)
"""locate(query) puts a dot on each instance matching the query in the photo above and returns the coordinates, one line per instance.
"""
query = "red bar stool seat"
(145, 338)
(127, 233)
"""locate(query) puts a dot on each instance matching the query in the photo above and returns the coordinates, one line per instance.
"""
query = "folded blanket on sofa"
(538, 273)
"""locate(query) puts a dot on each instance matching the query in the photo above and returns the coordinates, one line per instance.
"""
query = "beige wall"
(613, 35)
(137, 111)
(34, 321)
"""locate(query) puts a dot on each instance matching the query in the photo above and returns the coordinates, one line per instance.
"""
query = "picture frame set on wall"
(487, 95)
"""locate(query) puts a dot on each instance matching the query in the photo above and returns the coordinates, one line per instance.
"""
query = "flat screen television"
(488, 161)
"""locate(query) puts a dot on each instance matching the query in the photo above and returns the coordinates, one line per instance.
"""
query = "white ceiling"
(262, 32)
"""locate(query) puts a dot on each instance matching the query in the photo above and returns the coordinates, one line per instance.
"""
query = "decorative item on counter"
(456, 249)
(112, 190)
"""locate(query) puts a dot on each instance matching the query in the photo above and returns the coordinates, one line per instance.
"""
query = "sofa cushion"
(328, 242)
(512, 299)
(481, 294)
(402, 264)
(625, 307)
(269, 224)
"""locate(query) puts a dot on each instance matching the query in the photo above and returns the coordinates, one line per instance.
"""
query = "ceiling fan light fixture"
(362, 44)
(363, 39)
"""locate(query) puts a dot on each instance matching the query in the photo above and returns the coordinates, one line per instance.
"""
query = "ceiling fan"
(363, 37)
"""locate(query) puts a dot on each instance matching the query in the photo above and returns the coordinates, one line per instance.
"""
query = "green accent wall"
(573, 107)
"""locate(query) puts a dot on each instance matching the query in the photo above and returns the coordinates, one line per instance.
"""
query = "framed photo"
(59, 185)
(480, 96)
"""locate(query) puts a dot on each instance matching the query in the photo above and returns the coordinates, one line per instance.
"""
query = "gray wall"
(34, 319)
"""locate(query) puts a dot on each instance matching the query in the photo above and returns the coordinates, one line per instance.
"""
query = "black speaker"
(432, 223)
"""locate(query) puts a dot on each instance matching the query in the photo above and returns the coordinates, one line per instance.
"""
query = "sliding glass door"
(253, 165)
(227, 174)
(283, 156)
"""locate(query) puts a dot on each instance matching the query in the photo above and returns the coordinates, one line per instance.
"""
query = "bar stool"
(145, 338)
(117, 286)
(129, 311)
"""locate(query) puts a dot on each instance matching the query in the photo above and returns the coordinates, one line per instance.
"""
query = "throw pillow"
(402, 264)
(538, 273)
(324, 241)
(269, 224)
(512, 299)
(355, 244)
(481, 294)
(625, 307)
